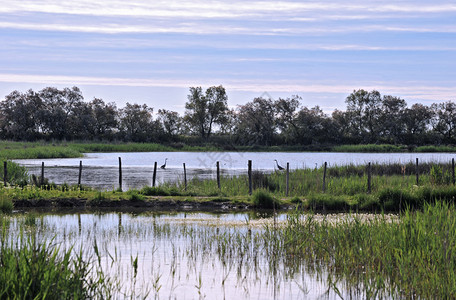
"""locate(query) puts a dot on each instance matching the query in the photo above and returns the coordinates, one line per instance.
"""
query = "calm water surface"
(185, 255)
(100, 170)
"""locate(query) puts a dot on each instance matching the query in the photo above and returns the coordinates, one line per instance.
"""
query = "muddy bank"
(198, 203)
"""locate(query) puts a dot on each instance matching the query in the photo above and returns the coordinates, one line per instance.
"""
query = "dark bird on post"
(278, 166)
(164, 165)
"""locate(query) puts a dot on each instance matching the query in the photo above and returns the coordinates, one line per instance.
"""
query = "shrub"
(263, 199)
(394, 198)
(17, 174)
(6, 205)
(154, 191)
(135, 196)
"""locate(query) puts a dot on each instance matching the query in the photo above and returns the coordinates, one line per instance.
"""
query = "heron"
(164, 165)
(278, 166)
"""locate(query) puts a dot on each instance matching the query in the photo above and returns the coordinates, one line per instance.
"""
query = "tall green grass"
(370, 148)
(413, 257)
(6, 205)
(32, 269)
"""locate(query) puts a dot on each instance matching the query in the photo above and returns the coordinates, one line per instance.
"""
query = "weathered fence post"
(5, 172)
(324, 177)
(185, 178)
(369, 175)
(218, 175)
(120, 174)
(155, 174)
(417, 172)
(80, 174)
(452, 170)
(250, 176)
(288, 178)
(42, 174)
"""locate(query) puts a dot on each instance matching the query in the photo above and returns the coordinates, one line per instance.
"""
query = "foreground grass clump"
(6, 205)
(263, 199)
(413, 257)
(39, 270)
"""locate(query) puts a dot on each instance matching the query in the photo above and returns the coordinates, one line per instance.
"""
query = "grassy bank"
(393, 188)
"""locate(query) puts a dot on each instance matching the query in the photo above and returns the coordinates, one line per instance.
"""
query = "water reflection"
(187, 255)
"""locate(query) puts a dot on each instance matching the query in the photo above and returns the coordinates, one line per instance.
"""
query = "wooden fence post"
(80, 173)
(120, 174)
(5, 172)
(154, 177)
(369, 175)
(185, 178)
(288, 178)
(324, 177)
(250, 176)
(417, 172)
(218, 175)
(42, 174)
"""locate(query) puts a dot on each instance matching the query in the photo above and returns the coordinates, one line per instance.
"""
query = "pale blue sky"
(153, 51)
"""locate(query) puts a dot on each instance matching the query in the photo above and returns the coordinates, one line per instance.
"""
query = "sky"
(151, 52)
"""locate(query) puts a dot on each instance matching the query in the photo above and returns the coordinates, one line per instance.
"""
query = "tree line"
(62, 114)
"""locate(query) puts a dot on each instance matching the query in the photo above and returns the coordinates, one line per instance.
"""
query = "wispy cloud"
(414, 91)
(215, 9)
(248, 46)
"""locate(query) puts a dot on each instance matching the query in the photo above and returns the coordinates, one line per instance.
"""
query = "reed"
(383, 148)
(32, 269)
(413, 257)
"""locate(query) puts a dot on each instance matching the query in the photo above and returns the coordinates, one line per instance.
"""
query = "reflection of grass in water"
(373, 257)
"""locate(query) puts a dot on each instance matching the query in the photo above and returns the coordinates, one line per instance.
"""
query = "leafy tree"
(59, 107)
(392, 118)
(341, 125)
(19, 116)
(255, 122)
(444, 119)
(363, 111)
(104, 119)
(313, 126)
(171, 122)
(137, 124)
(416, 121)
(205, 111)
(285, 117)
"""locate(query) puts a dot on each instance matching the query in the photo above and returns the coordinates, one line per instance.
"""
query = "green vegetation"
(410, 255)
(413, 257)
(393, 188)
(369, 118)
(263, 199)
(372, 148)
(31, 269)
(6, 204)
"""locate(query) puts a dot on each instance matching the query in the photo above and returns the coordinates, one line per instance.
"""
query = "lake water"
(100, 170)
(184, 255)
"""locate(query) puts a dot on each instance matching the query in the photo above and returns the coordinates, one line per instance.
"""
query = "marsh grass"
(263, 199)
(32, 269)
(6, 205)
(411, 255)
(411, 258)
(383, 148)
